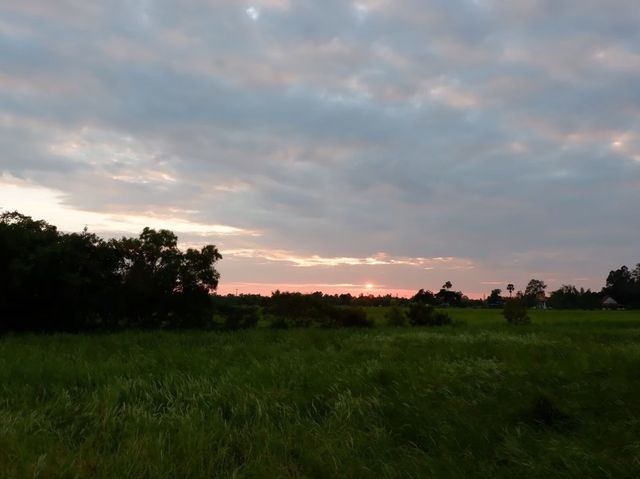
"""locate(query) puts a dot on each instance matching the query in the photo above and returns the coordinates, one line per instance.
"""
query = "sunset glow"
(367, 147)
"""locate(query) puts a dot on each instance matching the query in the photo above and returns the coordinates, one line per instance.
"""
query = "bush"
(440, 318)
(396, 316)
(347, 317)
(295, 310)
(515, 311)
(286, 322)
(425, 315)
(238, 317)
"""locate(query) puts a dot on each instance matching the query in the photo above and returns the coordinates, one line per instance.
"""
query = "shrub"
(515, 311)
(286, 322)
(425, 315)
(396, 316)
(238, 317)
(347, 317)
(440, 318)
(295, 310)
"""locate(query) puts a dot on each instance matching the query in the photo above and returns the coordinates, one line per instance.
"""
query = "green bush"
(238, 317)
(287, 322)
(347, 317)
(295, 310)
(396, 316)
(515, 312)
(421, 314)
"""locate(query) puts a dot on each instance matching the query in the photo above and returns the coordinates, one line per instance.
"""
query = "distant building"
(609, 303)
(541, 300)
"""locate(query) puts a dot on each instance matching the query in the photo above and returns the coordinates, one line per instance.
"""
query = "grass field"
(479, 399)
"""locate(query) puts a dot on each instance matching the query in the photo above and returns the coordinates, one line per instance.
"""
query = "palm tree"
(510, 288)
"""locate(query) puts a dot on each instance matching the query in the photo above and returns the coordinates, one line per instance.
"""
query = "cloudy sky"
(325, 144)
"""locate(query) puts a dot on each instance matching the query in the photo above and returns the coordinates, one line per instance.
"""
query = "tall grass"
(481, 398)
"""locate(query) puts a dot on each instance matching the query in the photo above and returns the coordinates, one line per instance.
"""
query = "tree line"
(621, 290)
(55, 281)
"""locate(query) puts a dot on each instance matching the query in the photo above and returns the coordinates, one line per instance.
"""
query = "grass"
(479, 399)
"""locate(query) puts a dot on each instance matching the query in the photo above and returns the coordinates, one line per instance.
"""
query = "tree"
(569, 297)
(448, 285)
(535, 287)
(424, 296)
(510, 288)
(494, 298)
(623, 286)
(163, 285)
(52, 281)
(446, 297)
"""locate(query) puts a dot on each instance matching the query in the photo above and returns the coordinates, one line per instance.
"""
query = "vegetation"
(515, 311)
(624, 286)
(396, 316)
(570, 297)
(420, 314)
(52, 281)
(557, 399)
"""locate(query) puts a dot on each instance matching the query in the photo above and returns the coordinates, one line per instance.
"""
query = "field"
(479, 399)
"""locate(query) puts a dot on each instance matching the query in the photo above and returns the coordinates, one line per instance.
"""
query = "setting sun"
(369, 286)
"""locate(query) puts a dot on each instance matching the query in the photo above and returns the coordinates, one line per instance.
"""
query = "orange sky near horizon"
(265, 289)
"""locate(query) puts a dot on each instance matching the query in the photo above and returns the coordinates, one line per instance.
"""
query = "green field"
(479, 399)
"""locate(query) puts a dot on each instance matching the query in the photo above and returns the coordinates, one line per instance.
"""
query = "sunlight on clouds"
(98, 146)
(132, 161)
(421, 128)
(47, 204)
(618, 59)
(379, 259)
(453, 97)
(145, 177)
(253, 13)
(626, 144)
(361, 11)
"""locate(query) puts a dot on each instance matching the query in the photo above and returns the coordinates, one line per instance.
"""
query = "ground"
(478, 399)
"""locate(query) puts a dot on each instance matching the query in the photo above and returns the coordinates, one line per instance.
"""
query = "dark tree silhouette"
(495, 298)
(623, 285)
(510, 288)
(535, 287)
(52, 281)
(424, 296)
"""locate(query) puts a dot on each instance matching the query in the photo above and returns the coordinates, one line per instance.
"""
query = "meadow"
(477, 399)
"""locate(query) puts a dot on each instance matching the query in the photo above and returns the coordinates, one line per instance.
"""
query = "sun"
(369, 286)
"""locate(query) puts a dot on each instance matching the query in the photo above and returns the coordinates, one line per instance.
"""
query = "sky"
(373, 146)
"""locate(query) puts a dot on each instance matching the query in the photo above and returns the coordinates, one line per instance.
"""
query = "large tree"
(163, 284)
(623, 285)
(535, 287)
(51, 281)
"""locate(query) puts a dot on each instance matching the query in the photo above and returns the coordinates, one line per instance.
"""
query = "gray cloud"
(502, 133)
